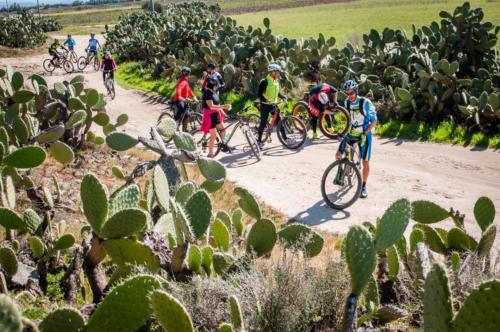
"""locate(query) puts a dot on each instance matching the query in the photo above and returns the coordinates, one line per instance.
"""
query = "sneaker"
(315, 136)
(364, 193)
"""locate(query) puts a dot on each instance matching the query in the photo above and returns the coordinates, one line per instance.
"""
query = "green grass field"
(349, 20)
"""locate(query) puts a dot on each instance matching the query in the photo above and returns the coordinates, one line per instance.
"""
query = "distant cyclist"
(183, 93)
(363, 119)
(70, 43)
(269, 95)
(214, 75)
(93, 46)
(56, 56)
(319, 97)
(108, 65)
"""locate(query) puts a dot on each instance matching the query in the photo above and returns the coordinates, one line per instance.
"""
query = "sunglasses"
(351, 92)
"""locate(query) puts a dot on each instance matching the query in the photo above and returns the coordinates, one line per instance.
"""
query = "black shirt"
(210, 95)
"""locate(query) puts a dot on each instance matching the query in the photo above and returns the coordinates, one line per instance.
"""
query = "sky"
(32, 2)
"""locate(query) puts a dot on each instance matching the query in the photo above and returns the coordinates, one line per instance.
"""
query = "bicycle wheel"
(301, 111)
(48, 66)
(96, 63)
(191, 122)
(73, 57)
(295, 131)
(82, 63)
(335, 125)
(341, 184)
(253, 122)
(112, 88)
(202, 140)
(252, 142)
(68, 66)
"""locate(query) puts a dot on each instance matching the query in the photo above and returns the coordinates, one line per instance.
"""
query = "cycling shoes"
(364, 193)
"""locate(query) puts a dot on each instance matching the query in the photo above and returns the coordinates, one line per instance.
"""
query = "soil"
(452, 176)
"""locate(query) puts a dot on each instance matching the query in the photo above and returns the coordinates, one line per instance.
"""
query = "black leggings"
(111, 75)
(265, 110)
(314, 119)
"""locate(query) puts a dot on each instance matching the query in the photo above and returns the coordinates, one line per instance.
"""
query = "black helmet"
(210, 66)
(186, 71)
(212, 82)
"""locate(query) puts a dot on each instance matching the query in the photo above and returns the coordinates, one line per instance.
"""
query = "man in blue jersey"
(70, 43)
(363, 119)
(93, 46)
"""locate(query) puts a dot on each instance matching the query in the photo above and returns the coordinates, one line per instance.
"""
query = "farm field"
(347, 21)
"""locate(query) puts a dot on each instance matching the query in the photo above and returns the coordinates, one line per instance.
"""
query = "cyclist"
(183, 93)
(213, 74)
(93, 46)
(319, 97)
(213, 114)
(269, 94)
(70, 43)
(108, 65)
(53, 52)
(363, 119)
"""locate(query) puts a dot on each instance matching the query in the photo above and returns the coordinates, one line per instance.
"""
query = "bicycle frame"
(239, 123)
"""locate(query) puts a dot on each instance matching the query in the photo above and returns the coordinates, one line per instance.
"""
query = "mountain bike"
(189, 121)
(341, 183)
(109, 83)
(91, 58)
(289, 126)
(202, 139)
(64, 63)
(334, 122)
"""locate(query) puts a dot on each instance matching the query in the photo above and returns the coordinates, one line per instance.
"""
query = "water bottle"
(226, 139)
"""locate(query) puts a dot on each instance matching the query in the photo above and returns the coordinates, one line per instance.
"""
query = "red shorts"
(211, 118)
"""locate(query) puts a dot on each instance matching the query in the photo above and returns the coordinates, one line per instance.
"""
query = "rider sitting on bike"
(363, 119)
(213, 115)
(213, 74)
(108, 66)
(53, 52)
(70, 43)
(269, 95)
(92, 46)
(183, 92)
(319, 97)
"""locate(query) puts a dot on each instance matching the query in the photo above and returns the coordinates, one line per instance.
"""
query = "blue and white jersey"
(361, 119)
(93, 43)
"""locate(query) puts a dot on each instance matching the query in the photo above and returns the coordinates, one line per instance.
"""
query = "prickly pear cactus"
(126, 198)
(185, 191)
(248, 203)
(484, 212)
(167, 127)
(301, 237)
(438, 312)
(64, 242)
(94, 197)
(10, 317)
(32, 222)
(66, 319)
(127, 251)
(25, 157)
(222, 262)
(120, 141)
(225, 218)
(62, 152)
(170, 313)
(211, 169)
(161, 188)
(124, 223)
(393, 263)
(426, 212)
(199, 212)
(361, 257)
(8, 261)
(432, 239)
(37, 247)
(10, 219)
(487, 240)
(458, 240)
(184, 141)
(236, 221)
(207, 254)
(126, 307)
(220, 235)
(225, 327)
(194, 258)
(236, 315)
(393, 224)
(262, 237)
(416, 236)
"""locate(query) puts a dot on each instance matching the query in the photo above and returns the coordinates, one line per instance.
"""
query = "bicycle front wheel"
(341, 184)
(96, 63)
(73, 57)
(112, 92)
(48, 66)
(335, 125)
(253, 122)
(301, 111)
(292, 132)
(68, 66)
(252, 142)
(81, 63)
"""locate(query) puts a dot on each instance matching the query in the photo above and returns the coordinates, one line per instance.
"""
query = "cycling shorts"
(366, 147)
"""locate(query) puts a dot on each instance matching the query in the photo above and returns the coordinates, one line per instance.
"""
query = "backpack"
(361, 106)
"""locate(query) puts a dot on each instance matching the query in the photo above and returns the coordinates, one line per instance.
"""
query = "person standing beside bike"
(93, 46)
(319, 97)
(183, 93)
(70, 43)
(108, 66)
(269, 95)
(363, 119)
(213, 115)
(213, 74)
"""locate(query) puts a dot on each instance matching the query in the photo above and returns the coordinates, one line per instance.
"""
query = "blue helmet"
(350, 85)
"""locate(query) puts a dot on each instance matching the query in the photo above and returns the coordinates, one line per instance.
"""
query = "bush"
(158, 8)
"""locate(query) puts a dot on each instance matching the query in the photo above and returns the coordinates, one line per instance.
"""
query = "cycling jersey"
(182, 90)
(70, 42)
(215, 76)
(360, 119)
(269, 90)
(53, 48)
(322, 87)
(108, 64)
(93, 44)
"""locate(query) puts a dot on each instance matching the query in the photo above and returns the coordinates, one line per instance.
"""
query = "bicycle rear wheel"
(48, 66)
(82, 63)
(335, 125)
(253, 122)
(191, 122)
(73, 57)
(295, 131)
(252, 142)
(202, 140)
(341, 184)
(301, 111)
(68, 66)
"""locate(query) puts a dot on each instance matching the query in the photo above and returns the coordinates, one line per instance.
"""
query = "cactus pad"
(125, 251)
(170, 313)
(393, 263)
(236, 220)
(126, 222)
(25, 157)
(199, 212)
(212, 186)
(220, 235)
(426, 212)
(184, 192)
(438, 312)
(167, 127)
(248, 203)
(121, 141)
(8, 261)
(455, 261)
(50, 135)
(222, 262)
(416, 236)
(183, 228)
(457, 239)
(102, 119)
(161, 188)
(118, 172)
(236, 315)
(127, 198)
(211, 169)
(66, 319)
(94, 197)
(487, 240)
(393, 224)
(432, 238)
(484, 212)
(194, 258)
(361, 257)
(61, 152)
(262, 237)
(225, 327)
(10, 219)
(64, 242)
(32, 222)
(479, 312)
(207, 259)
(10, 316)
(165, 225)
(126, 308)
(225, 218)
(37, 247)
(184, 141)
(301, 237)
(76, 119)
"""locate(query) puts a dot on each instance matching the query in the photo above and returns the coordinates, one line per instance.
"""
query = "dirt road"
(452, 176)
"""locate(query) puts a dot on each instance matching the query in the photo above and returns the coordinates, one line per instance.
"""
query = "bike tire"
(113, 91)
(292, 126)
(253, 122)
(68, 66)
(48, 66)
(341, 120)
(324, 179)
(301, 111)
(81, 63)
(191, 123)
(252, 142)
(73, 57)
(96, 63)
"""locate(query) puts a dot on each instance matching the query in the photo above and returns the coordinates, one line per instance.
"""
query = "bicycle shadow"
(279, 151)
(239, 157)
(318, 214)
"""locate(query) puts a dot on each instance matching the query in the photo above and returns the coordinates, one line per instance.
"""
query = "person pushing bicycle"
(70, 43)
(363, 119)
(319, 98)
(269, 95)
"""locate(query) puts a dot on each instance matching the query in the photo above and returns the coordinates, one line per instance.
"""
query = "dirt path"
(290, 181)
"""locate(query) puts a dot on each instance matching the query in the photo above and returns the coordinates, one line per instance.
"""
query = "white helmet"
(323, 98)
(274, 67)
